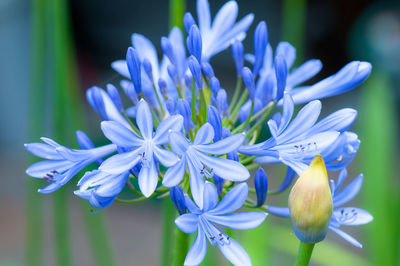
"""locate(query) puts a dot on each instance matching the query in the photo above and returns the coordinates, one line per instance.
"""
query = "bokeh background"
(51, 51)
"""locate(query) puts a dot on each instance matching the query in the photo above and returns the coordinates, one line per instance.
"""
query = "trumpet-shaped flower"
(347, 216)
(101, 188)
(142, 150)
(62, 163)
(219, 34)
(195, 157)
(207, 215)
(295, 143)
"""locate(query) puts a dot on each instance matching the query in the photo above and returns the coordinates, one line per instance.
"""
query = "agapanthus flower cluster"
(183, 135)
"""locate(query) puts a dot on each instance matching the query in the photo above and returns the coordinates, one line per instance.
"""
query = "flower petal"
(346, 237)
(144, 120)
(120, 135)
(196, 183)
(187, 223)
(352, 216)
(146, 49)
(40, 169)
(342, 176)
(166, 157)
(232, 201)
(210, 196)
(224, 19)
(173, 123)
(340, 121)
(43, 150)
(224, 168)
(205, 134)
(174, 174)
(204, 17)
(121, 67)
(279, 211)
(304, 72)
(223, 146)
(148, 179)
(122, 162)
(235, 253)
(198, 250)
(304, 120)
(191, 206)
(239, 221)
(178, 142)
(348, 192)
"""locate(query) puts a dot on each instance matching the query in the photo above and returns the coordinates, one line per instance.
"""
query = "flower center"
(213, 234)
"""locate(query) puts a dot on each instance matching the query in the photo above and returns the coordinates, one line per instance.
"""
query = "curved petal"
(196, 184)
(224, 168)
(279, 211)
(113, 186)
(191, 206)
(210, 196)
(42, 168)
(223, 146)
(304, 120)
(144, 120)
(304, 72)
(288, 51)
(120, 135)
(166, 157)
(205, 134)
(204, 17)
(235, 253)
(287, 114)
(224, 19)
(173, 123)
(346, 237)
(148, 179)
(122, 162)
(232, 201)
(348, 192)
(198, 250)
(340, 121)
(352, 216)
(178, 142)
(239, 221)
(342, 176)
(43, 150)
(187, 222)
(121, 67)
(174, 174)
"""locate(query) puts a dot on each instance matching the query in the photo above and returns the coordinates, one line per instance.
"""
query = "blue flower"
(219, 34)
(349, 216)
(207, 214)
(101, 188)
(143, 149)
(62, 163)
(199, 164)
(295, 143)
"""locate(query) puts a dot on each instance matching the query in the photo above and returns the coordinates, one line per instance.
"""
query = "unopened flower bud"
(178, 199)
(310, 203)
(261, 186)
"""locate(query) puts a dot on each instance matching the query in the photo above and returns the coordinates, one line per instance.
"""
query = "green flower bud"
(310, 203)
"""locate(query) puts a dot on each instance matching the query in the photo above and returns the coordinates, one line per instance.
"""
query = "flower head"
(142, 150)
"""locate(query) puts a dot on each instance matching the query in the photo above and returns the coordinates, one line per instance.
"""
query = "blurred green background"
(52, 50)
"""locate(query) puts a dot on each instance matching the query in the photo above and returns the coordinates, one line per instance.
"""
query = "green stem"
(241, 101)
(236, 93)
(180, 247)
(246, 123)
(176, 11)
(304, 254)
(34, 201)
(167, 228)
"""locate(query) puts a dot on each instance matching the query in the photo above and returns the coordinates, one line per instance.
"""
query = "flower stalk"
(304, 254)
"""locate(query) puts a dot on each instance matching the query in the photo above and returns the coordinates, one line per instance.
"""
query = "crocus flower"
(295, 143)
(348, 216)
(142, 150)
(219, 34)
(62, 163)
(195, 157)
(205, 215)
